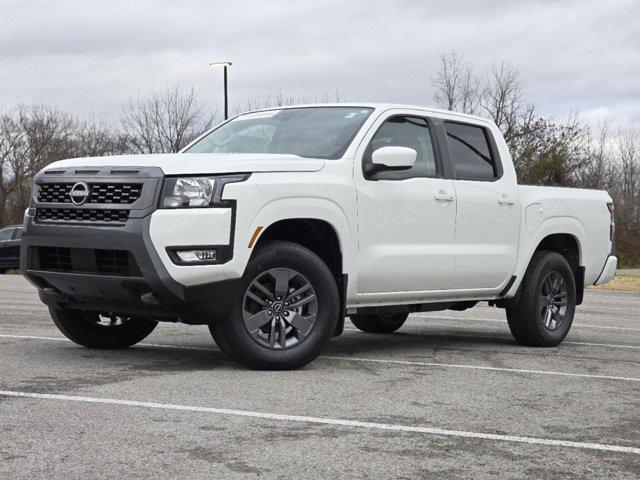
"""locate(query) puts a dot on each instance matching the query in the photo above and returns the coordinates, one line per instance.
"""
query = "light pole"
(225, 65)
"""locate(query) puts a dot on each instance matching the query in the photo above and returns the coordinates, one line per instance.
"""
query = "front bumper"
(149, 291)
(74, 253)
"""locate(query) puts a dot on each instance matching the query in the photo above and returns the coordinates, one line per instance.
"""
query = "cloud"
(90, 56)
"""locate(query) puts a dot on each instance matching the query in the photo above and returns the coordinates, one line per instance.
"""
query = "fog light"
(197, 256)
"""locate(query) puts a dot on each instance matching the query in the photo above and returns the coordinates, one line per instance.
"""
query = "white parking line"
(481, 367)
(487, 337)
(145, 344)
(34, 337)
(496, 320)
(612, 345)
(383, 361)
(327, 421)
(583, 307)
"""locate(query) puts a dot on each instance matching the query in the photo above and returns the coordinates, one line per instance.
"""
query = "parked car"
(10, 248)
(275, 225)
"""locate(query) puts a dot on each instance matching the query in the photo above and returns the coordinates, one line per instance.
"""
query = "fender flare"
(532, 238)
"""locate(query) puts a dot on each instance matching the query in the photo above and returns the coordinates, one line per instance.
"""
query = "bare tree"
(503, 101)
(457, 88)
(164, 122)
(281, 99)
(546, 152)
(32, 137)
(599, 170)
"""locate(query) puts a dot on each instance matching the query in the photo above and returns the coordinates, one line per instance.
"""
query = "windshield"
(315, 132)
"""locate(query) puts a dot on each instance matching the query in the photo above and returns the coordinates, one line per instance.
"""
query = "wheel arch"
(317, 235)
(324, 232)
(564, 235)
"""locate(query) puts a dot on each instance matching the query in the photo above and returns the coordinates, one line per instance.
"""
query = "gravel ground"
(448, 396)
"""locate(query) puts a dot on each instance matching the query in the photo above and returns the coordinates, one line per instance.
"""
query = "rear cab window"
(472, 152)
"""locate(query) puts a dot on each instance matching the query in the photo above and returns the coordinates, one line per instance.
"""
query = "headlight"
(186, 192)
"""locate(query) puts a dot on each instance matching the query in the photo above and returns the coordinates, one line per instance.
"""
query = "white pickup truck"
(275, 225)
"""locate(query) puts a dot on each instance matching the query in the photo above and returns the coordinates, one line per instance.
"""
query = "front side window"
(472, 158)
(411, 132)
(18, 234)
(313, 132)
(6, 234)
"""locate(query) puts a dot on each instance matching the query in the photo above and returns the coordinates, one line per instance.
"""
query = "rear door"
(488, 215)
(406, 219)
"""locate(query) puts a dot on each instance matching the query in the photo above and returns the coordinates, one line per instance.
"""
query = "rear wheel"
(542, 312)
(285, 312)
(93, 330)
(379, 322)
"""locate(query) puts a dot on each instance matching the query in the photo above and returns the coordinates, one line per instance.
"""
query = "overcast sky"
(90, 56)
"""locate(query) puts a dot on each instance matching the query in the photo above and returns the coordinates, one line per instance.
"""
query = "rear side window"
(18, 234)
(471, 152)
(411, 132)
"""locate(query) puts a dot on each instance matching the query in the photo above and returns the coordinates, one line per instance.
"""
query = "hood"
(200, 163)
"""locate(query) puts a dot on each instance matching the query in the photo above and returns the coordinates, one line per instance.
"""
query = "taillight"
(612, 228)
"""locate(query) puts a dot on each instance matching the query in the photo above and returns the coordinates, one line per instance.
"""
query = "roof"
(377, 106)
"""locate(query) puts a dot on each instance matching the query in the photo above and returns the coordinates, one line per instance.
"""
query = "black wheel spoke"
(272, 333)
(299, 291)
(265, 291)
(257, 299)
(283, 334)
(302, 324)
(302, 302)
(282, 276)
(257, 321)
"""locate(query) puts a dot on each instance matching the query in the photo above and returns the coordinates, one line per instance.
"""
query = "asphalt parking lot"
(448, 396)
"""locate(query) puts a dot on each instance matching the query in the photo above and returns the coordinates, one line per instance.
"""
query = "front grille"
(86, 260)
(72, 215)
(112, 262)
(100, 193)
(55, 259)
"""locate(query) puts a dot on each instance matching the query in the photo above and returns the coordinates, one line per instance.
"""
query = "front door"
(406, 219)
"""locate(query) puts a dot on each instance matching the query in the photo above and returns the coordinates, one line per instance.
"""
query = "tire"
(548, 285)
(379, 322)
(311, 304)
(85, 328)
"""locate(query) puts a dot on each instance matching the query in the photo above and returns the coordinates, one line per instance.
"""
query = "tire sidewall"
(285, 255)
(79, 327)
(554, 262)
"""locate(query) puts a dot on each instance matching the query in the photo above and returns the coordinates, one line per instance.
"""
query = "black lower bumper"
(150, 291)
(9, 263)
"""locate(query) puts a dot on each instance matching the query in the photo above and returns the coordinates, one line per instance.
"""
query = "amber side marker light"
(255, 236)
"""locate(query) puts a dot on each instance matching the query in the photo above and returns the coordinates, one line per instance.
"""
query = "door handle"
(506, 200)
(442, 195)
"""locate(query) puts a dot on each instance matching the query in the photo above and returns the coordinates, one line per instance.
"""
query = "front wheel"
(93, 330)
(285, 311)
(542, 312)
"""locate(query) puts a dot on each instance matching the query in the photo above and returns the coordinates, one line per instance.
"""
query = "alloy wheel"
(280, 308)
(553, 300)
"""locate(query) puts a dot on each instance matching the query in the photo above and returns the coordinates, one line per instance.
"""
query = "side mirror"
(394, 158)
